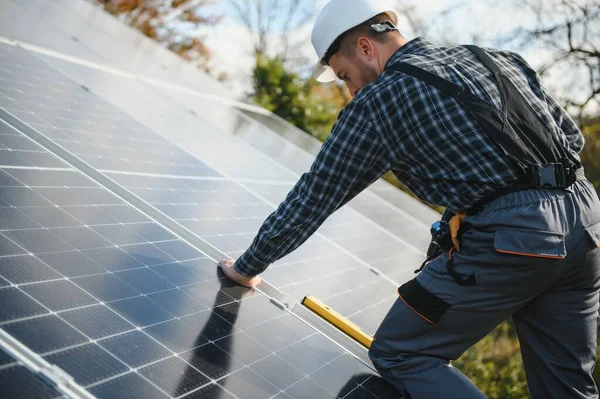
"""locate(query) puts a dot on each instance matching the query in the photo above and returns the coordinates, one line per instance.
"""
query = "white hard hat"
(337, 17)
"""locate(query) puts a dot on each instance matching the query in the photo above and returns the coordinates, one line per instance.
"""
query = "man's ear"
(365, 47)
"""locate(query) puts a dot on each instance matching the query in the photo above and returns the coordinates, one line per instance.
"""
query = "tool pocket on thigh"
(422, 302)
(522, 261)
(530, 243)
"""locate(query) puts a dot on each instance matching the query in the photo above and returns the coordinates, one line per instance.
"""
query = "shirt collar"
(414, 46)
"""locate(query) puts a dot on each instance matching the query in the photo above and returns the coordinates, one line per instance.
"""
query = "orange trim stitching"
(533, 256)
(411, 308)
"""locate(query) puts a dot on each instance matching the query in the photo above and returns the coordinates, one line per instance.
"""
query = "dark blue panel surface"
(16, 305)
(140, 311)
(174, 376)
(87, 363)
(97, 321)
(44, 334)
(128, 386)
(26, 269)
(59, 295)
(134, 348)
(176, 335)
(19, 383)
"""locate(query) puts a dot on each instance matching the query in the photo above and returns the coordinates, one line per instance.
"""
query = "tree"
(299, 101)
(495, 366)
(174, 23)
(271, 23)
(591, 151)
(570, 31)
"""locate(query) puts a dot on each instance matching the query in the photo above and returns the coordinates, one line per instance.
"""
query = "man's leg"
(413, 352)
(558, 334)
(517, 252)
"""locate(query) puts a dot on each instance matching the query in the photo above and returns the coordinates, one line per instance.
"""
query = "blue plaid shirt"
(426, 138)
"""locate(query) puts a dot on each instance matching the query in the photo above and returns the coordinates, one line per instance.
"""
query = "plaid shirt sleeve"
(350, 160)
(564, 121)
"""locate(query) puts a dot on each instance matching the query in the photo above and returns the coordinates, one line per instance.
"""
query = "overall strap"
(484, 58)
(431, 79)
(544, 145)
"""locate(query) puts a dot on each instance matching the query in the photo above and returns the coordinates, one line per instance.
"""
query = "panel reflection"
(209, 358)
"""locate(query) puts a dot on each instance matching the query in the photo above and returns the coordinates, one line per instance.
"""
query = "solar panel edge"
(52, 373)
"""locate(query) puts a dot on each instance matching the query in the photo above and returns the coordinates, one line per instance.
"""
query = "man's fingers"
(254, 282)
(227, 267)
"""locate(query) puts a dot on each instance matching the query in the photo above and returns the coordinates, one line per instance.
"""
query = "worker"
(472, 130)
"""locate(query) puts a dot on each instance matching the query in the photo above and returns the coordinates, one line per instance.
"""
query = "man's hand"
(227, 266)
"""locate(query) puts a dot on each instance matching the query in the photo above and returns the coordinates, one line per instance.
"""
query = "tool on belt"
(533, 148)
(445, 236)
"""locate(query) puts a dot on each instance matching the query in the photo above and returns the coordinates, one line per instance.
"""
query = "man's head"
(354, 39)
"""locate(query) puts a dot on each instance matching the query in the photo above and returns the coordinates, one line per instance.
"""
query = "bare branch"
(272, 22)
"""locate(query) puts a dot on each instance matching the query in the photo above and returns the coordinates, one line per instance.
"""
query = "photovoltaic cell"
(97, 321)
(17, 305)
(19, 382)
(26, 269)
(174, 376)
(88, 363)
(127, 386)
(44, 334)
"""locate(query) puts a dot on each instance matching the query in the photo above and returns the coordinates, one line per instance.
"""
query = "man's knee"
(389, 367)
(382, 358)
(374, 354)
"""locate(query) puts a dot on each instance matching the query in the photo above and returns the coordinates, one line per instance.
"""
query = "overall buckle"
(552, 175)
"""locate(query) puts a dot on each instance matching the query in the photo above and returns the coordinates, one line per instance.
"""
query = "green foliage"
(291, 97)
(494, 364)
(590, 156)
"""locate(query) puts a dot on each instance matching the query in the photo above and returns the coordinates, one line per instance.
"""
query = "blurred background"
(260, 49)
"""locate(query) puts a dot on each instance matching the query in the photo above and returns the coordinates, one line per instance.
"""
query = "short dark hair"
(363, 29)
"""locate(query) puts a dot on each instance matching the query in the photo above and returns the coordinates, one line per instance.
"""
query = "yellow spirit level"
(338, 320)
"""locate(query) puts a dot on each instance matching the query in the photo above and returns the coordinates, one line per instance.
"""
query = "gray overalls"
(529, 254)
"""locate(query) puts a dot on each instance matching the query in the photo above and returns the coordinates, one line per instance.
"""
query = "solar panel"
(109, 232)
(118, 326)
(229, 225)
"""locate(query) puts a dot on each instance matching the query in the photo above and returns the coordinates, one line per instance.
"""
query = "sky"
(484, 22)
(232, 45)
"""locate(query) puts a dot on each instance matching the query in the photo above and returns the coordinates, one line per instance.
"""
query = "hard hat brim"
(324, 74)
